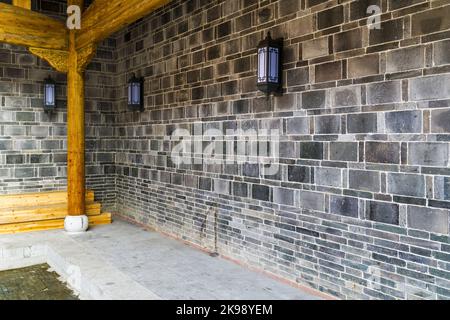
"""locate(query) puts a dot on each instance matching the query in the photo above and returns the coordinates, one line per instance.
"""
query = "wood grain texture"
(27, 28)
(26, 4)
(104, 218)
(37, 199)
(56, 58)
(41, 213)
(104, 17)
(75, 133)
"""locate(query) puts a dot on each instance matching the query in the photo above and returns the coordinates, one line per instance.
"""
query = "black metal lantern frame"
(270, 65)
(49, 94)
(136, 93)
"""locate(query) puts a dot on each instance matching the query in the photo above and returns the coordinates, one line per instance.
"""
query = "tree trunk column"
(75, 141)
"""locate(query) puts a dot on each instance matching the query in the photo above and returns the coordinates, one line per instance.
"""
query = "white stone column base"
(76, 224)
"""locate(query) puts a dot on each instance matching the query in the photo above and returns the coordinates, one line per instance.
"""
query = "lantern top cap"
(49, 79)
(134, 78)
(270, 42)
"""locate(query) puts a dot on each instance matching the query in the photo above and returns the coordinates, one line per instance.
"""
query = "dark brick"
(299, 174)
(330, 71)
(311, 150)
(328, 125)
(404, 122)
(362, 123)
(260, 192)
(314, 99)
(384, 92)
(296, 77)
(348, 40)
(344, 206)
(384, 212)
(358, 9)
(391, 30)
(432, 220)
(431, 21)
(330, 17)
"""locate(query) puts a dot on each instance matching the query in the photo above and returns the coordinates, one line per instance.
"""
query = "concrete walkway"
(148, 265)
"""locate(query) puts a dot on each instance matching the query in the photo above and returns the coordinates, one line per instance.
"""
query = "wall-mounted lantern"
(270, 55)
(136, 93)
(49, 94)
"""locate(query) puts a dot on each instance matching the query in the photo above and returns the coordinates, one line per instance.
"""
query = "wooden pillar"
(75, 132)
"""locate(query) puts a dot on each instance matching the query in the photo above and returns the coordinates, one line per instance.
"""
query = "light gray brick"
(331, 177)
(429, 88)
(428, 219)
(406, 184)
(428, 154)
(384, 92)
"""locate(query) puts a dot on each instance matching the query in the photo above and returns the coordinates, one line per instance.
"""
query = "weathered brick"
(441, 50)
(260, 192)
(296, 77)
(384, 92)
(315, 48)
(299, 174)
(384, 212)
(404, 122)
(344, 151)
(362, 123)
(363, 66)
(428, 154)
(346, 96)
(405, 59)
(389, 31)
(314, 99)
(283, 196)
(431, 21)
(406, 184)
(312, 200)
(300, 26)
(327, 125)
(330, 17)
(329, 71)
(298, 125)
(432, 220)
(364, 180)
(311, 150)
(358, 9)
(381, 152)
(348, 40)
(429, 88)
(344, 206)
(328, 177)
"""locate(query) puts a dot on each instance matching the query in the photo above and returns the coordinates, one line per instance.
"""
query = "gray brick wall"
(359, 207)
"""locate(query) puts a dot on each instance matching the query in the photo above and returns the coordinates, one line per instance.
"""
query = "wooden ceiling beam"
(104, 17)
(27, 28)
(26, 4)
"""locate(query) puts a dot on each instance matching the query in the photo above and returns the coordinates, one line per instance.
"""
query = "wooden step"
(38, 199)
(41, 213)
(104, 218)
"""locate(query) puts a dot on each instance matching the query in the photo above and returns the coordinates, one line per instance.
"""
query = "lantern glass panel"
(273, 66)
(49, 94)
(136, 93)
(262, 65)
